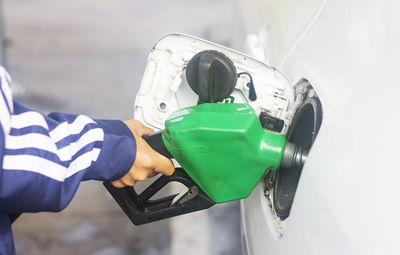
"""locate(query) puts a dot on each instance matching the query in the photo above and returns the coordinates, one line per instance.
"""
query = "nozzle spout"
(293, 156)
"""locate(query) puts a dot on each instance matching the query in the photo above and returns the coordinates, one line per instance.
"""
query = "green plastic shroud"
(223, 148)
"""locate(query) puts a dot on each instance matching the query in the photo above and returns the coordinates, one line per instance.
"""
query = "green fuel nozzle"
(223, 151)
(222, 148)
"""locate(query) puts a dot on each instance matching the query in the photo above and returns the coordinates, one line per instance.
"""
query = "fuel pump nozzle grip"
(142, 209)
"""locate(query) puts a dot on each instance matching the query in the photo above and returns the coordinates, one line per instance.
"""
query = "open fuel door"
(222, 94)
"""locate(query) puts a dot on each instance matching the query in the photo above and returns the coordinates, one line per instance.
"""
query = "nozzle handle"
(142, 209)
(156, 142)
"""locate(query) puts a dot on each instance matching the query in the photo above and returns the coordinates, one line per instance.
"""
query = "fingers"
(163, 165)
(148, 162)
(125, 181)
(153, 160)
(153, 173)
(141, 175)
(117, 184)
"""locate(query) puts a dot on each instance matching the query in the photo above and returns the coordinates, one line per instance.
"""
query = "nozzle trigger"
(141, 209)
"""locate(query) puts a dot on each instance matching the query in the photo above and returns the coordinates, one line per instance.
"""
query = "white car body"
(347, 198)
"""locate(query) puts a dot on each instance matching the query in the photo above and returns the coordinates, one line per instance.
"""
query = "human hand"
(148, 162)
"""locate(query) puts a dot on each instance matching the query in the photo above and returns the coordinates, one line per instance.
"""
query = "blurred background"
(87, 57)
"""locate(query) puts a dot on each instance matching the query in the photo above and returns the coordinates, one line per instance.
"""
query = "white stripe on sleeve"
(48, 168)
(4, 116)
(31, 140)
(93, 135)
(5, 86)
(27, 119)
(4, 112)
(83, 161)
(65, 129)
(34, 164)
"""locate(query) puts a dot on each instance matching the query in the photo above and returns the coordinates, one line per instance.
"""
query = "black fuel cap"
(211, 75)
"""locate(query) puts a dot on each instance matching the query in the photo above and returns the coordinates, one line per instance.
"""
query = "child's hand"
(148, 162)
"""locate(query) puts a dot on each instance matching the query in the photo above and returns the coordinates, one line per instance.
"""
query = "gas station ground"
(88, 57)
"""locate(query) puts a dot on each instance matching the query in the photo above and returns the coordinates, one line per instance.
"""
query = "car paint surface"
(278, 24)
(347, 198)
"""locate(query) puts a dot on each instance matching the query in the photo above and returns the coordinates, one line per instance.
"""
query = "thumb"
(138, 128)
(143, 130)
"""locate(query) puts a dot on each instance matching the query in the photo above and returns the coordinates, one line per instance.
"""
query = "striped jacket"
(43, 158)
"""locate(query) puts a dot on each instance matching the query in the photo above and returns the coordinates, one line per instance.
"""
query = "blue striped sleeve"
(43, 158)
